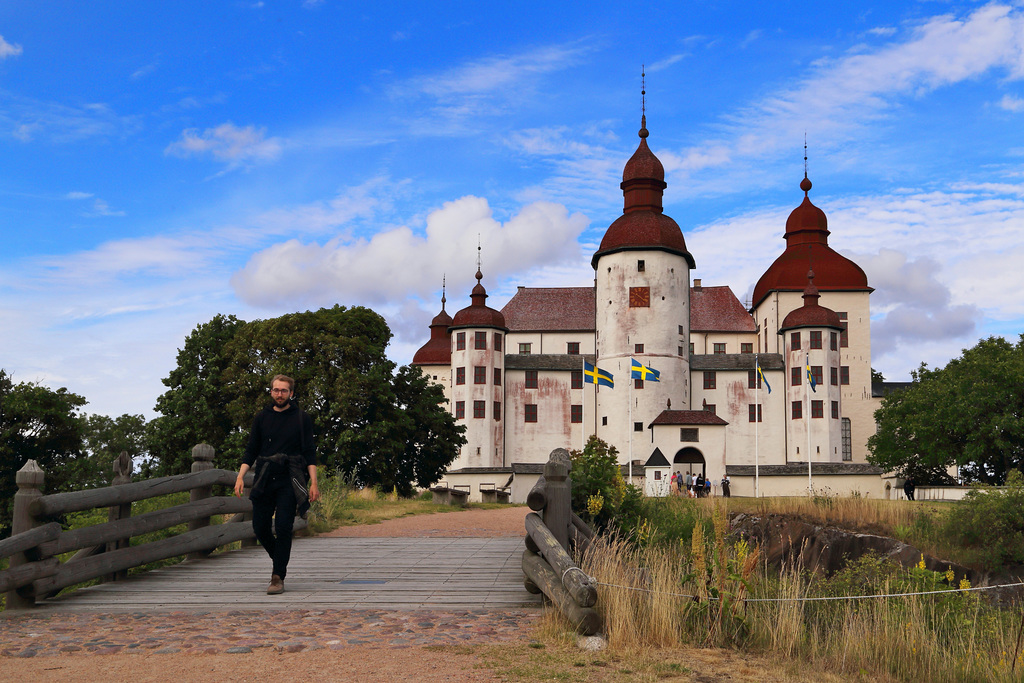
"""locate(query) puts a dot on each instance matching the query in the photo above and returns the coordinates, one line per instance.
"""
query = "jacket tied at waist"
(292, 466)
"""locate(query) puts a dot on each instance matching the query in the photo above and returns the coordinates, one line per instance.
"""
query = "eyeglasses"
(280, 391)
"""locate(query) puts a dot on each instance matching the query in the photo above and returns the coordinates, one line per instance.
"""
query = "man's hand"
(240, 480)
(314, 493)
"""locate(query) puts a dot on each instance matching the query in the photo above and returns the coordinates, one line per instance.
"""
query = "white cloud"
(8, 49)
(78, 195)
(397, 263)
(1011, 103)
(228, 143)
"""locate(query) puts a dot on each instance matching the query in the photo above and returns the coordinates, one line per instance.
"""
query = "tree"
(876, 376)
(104, 439)
(388, 428)
(37, 423)
(970, 414)
(194, 408)
(597, 483)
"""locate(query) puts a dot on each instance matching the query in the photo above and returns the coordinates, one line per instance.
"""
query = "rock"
(591, 643)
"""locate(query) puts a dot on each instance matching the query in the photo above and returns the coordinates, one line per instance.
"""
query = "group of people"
(695, 486)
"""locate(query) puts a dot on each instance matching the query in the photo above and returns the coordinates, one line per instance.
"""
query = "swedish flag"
(640, 372)
(760, 375)
(810, 376)
(594, 375)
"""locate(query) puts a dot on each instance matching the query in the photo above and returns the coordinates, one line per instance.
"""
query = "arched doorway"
(692, 460)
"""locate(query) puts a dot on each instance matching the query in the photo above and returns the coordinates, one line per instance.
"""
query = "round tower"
(435, 357)
(810, 336)
(477, 368)
(643, 308)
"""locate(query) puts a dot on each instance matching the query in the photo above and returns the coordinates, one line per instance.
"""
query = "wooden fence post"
(558, 511)
(30, 479)
(202, 460)
(122, 475)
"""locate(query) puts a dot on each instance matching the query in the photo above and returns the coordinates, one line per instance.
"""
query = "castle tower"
(810, 336)
(643, 291)
(435, 357)
(843, 287)
(477, 366)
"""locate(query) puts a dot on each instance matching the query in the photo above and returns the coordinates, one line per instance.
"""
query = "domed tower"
(435, 357)
(843, 288)
(810, 337)
(477, 366)
(643, 312)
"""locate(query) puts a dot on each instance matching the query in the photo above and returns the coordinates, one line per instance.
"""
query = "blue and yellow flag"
(810, 376)
(640, 372)
(594, 375)
(760, 376)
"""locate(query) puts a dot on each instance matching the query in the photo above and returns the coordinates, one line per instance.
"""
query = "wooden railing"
(105, 550)
(547, 565)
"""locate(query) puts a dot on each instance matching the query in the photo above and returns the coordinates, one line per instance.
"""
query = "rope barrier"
(814, 599)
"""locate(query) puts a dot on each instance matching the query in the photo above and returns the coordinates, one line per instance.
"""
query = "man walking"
(282, 455)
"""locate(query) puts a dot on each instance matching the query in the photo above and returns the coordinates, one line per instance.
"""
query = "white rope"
(585, 575)
(817, 599)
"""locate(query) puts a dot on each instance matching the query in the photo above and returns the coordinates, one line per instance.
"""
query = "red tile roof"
(688, 417)
(551, 309)
(716, 309)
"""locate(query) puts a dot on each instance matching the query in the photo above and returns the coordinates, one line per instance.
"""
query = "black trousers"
(273, 515)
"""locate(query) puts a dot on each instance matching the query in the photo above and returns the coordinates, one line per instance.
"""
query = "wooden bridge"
(328, 573)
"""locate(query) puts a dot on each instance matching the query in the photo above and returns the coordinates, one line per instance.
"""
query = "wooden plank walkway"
(328, 573)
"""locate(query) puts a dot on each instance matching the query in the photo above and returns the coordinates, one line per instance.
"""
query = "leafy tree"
(970, 413)
(597, 483)
(389, 429)
(876, 376)
(105, 437)
(37, 423)
(194, 408)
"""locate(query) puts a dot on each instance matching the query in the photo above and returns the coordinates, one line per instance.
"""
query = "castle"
(777, 396)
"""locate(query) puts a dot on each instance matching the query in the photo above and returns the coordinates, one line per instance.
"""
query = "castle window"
(711, 408)
(640, 266)
(460, 341)
(847, 440)
(577, 379)
(690, 434)
(747, 348)
(798, 410)
(794, 341)
(479, 409)
(833, 341)
(816, 374)
(604, 421)
(460, 410)
(795, 374)
(479, 375)
(497, 411)
(497, 377)
(817, 409)
(680, 349)
(754, 412)
(497, 341)
(531, 379)
(835, 410)
(460, 375)
(524, 349)
(639, 297)
(576, 414)
(530, 415)
(681, 330)
(480, 340)
(638, 426)
(638, 383)
(691, 348)
(844, 339)
(833, 376)
(710, 379)
(638, 348)
(815, 341)
(719, 347)
(753, 381)
(572, 348)
(844, 374)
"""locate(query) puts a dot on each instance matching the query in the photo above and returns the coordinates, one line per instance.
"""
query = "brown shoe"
(276, 585)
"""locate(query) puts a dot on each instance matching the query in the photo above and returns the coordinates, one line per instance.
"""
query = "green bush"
(597, 484)
(990, 523)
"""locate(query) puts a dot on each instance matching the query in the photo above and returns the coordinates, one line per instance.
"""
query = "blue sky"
(168, 161)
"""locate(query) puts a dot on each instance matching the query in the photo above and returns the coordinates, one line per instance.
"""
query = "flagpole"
(807, 422)
(583, 424)
(757, 410)
(631, 421)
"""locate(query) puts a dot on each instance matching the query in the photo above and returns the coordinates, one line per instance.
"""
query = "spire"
(443, 284)
(643, 103)
(805, 184)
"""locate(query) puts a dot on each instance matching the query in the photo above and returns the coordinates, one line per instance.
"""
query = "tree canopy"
(384, 427)
(969, 413)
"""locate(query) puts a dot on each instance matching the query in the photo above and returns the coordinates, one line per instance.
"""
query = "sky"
(163, 162)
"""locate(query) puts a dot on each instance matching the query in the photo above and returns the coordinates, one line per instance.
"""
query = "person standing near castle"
(282, 454)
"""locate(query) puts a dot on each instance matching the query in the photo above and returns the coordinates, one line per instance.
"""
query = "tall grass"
(700, 593)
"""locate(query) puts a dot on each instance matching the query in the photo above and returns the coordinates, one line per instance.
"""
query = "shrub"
(990, 522)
